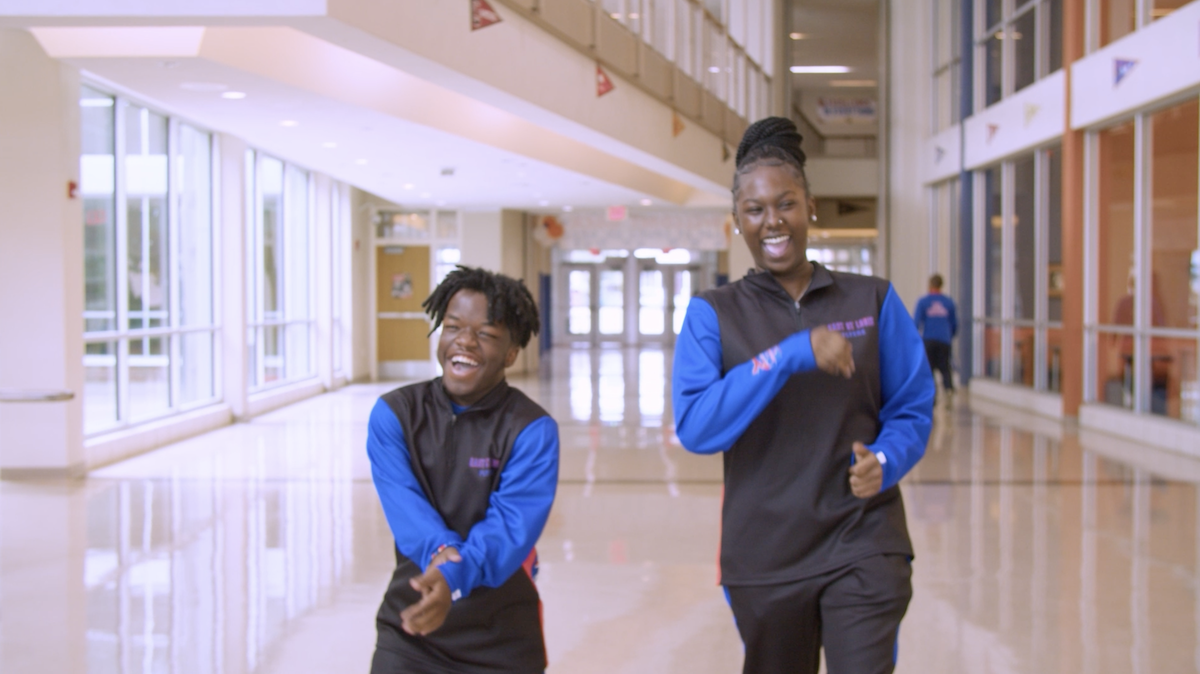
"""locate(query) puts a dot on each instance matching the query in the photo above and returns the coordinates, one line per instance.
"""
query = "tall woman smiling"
(815, 386)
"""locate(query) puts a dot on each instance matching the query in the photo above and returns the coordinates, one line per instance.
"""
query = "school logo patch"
(484, 465)
(855, 328)
(766, 360)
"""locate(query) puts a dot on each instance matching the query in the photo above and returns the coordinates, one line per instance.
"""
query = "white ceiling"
(394, 158)
(837, 32)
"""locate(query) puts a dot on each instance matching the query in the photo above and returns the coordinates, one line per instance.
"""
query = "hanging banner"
(845, 110)
(482, 15)
(616, 213)
(603, 83)
(677, 125)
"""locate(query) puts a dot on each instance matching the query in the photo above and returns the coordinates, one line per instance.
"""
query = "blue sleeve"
(907, 389)
(711, 411)
(418, 528)
(919, 314)
(517, 511)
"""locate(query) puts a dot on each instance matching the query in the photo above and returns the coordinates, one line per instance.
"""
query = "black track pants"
(854, 612)
(939, 360)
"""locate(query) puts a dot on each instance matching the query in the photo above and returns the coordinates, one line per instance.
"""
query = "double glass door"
(627, 301)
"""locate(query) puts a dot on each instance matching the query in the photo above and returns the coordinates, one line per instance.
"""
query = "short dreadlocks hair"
(509, 301)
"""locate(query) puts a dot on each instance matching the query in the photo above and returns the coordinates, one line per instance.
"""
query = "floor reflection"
(261, 547)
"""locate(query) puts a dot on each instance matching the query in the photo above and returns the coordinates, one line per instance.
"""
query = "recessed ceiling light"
(819, 70)
(798, 36)
(408, 186)
(425, 195)
(442, 202)
(289, 123)
(234, 95)
(568, 209)
(543, 203)
(714, 69)
(204, 87)
(361, 162)
(852, 83)
(329, 145)
(647, 202)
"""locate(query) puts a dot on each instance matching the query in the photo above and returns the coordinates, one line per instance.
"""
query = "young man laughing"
(466, 469)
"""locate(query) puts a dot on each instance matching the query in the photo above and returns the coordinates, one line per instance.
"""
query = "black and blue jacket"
(479, 479)
(746, 383)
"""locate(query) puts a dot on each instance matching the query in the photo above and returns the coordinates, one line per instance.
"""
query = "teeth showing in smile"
(775, 240)
(463, 360)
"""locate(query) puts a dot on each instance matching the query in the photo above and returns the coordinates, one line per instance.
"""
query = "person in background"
(466, 468)
(937, 319)
(813, 386)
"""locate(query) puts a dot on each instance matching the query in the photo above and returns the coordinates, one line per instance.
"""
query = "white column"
(231, 219)
(41, 260)
(323, 271)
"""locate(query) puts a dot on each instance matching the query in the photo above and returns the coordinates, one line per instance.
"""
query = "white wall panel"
(1165, 59)
(943, 155)
(1031, 117)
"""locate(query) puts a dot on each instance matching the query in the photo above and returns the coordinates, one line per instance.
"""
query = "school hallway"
(261, 547)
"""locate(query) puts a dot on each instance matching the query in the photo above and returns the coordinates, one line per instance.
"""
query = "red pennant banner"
(992, 129)
(677, 125)
(603, 83)
(482, 15)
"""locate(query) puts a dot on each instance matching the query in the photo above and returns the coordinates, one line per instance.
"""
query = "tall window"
(1021, 246)
(281, 321)
(149, 326)
(1017, 44)
(947, 64)
(1144, 329)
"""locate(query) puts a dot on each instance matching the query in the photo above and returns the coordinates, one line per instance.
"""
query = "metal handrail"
(12, 395)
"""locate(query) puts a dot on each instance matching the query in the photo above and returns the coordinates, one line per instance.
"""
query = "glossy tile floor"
(261, 547)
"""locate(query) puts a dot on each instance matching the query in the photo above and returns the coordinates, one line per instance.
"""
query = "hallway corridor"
(261, 547)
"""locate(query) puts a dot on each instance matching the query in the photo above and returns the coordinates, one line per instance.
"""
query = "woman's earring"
(814, 217)
(737, 230)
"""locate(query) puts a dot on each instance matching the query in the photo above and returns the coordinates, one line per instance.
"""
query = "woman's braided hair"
(773, 141)
(508, 300)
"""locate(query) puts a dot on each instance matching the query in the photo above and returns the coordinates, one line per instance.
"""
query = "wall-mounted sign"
(402, 286)
(845, 110)
(616, 213)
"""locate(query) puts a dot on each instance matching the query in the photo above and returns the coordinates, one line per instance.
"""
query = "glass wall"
(1142, 326)
(1017, 44)
(947, 63)
(149, 325)
(1019, 274)
(724, 45)
(279, 302)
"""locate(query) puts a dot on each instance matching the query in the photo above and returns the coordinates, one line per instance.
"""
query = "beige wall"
(41, 258)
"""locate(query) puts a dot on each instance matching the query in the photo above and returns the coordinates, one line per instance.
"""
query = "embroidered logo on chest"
(854, 328)
(484, 465)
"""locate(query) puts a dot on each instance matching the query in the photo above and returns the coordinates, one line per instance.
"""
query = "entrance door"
(664, 291)
(595, 302)
(402, 328)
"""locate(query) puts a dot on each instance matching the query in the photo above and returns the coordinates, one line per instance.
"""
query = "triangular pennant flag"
(939, 154)
(1031, 111)
(724, 153)
(482, 15)
(1121, 68)
(677, 125)
(992, 130)
(603, 83)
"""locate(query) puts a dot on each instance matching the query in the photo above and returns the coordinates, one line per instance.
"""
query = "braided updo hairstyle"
(773, 141)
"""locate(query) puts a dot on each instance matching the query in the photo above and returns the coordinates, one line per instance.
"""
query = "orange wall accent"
(1074, 18)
